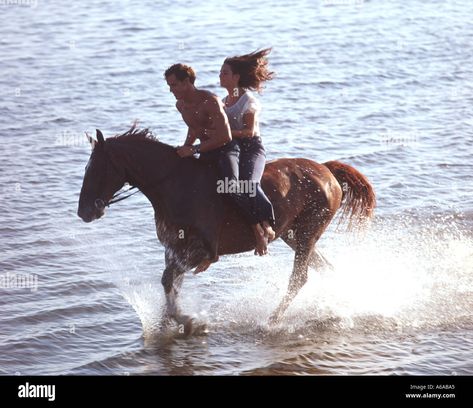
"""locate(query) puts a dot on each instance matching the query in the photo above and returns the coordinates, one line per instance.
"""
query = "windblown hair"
(252, 68)
(181, 72)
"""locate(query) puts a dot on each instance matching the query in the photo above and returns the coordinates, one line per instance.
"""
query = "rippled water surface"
(384, 86)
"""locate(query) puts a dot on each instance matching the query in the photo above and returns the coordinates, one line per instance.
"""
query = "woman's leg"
(228, 164)
(252, 163)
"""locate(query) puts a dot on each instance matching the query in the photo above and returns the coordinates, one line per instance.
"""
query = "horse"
(195, 223)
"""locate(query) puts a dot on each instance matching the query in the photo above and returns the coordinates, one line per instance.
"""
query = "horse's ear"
(100, 137)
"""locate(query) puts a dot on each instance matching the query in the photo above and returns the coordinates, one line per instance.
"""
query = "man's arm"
(190, 139)
(221, 133)
(191, 136)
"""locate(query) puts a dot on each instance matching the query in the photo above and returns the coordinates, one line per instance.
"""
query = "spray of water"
(403, 274)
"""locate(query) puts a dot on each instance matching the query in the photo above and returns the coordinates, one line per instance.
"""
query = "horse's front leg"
(171, 280)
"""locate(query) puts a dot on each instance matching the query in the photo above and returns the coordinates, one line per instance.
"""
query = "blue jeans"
(244, 159)
(252, 163)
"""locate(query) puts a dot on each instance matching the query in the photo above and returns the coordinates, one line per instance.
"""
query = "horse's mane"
(143, 139)
(136, 134)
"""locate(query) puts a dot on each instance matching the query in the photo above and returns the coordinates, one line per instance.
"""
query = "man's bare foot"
(268, 231)
(203, 266)
(261, 240)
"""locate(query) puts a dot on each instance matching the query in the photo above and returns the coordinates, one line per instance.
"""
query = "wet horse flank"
(195, 223)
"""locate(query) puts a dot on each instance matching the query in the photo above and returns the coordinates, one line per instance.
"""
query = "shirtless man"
(204, 115)
(201, 110)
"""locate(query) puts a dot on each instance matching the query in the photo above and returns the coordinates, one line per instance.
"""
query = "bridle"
(116, 197)
(119, 196)
(101, 204)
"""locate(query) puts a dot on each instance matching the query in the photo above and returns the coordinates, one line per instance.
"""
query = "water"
(384, 86)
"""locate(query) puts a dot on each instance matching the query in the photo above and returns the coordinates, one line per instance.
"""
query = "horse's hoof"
(185, 327)
(189, 327)
(165, 323)
(274, 320)
(199, 329)
(192, 327)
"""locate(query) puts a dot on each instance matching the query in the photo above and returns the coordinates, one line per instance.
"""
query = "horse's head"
(101, 180)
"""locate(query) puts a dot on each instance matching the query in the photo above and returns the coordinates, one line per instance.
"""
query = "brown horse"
(195, 223)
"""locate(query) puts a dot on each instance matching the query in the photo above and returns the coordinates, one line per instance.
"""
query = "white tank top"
(246, 103)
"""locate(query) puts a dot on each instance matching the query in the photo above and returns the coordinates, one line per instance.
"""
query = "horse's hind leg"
(308, 228)
(296, 282)
(316, 259)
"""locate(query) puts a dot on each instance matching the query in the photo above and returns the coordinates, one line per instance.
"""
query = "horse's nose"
(85, 213)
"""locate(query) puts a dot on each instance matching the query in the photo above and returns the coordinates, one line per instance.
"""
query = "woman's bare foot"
(261, 240)
(268, 231)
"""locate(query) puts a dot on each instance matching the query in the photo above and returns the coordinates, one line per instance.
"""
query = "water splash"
(404, 274)
(147, 301)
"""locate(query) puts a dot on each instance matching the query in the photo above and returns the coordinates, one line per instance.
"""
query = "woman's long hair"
(252, 68)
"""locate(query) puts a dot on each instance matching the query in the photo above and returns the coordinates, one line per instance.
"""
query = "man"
(204, 115)
(201, 110)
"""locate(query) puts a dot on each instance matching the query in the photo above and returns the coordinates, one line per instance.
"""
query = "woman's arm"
(248, 126)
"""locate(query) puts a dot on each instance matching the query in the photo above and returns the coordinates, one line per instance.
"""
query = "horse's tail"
(359, 199)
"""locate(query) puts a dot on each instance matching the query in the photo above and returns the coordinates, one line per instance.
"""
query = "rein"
(116, 197)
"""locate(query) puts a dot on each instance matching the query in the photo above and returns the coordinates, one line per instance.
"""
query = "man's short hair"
(181, 72)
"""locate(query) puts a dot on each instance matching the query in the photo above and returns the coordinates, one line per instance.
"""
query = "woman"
(239, 76)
